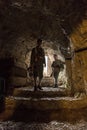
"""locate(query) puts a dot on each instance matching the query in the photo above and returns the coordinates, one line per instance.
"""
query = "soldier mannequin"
(56, 66)
(37, 62)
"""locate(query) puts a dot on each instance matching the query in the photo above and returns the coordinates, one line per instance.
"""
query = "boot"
(35, 88)
(39, 87)
(56, 86)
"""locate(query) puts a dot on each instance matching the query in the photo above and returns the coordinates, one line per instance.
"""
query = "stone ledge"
(47, 103)
(17, 71)
(47, 92)
(17, 81)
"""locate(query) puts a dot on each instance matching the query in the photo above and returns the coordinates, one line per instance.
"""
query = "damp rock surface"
(9, 125)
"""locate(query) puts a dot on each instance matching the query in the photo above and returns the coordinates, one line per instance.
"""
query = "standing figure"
(56, 66)
(37, 62)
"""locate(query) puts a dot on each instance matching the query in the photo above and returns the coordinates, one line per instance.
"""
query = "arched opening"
(50, 49)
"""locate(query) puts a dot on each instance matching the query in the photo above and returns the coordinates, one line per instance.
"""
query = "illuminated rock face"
(79, 61)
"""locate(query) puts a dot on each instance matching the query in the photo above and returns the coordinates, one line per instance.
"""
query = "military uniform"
(37, 61)
(56, 65)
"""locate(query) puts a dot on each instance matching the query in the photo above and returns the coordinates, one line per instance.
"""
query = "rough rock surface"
(59, 25)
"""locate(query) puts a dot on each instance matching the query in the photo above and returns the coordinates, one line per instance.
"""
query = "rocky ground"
(9, 125)
(50, 109)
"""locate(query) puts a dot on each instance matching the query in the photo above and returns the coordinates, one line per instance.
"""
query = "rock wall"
(79, 60)
(13, 66)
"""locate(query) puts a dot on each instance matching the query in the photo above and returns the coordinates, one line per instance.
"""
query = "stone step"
(46, 92)
(43, 109)
(46, 103)
(46, 81)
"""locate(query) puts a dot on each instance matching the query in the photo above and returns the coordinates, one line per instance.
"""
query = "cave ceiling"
(52, 20)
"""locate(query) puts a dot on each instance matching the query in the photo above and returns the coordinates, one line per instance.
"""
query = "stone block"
(17, 71)
(17, 81)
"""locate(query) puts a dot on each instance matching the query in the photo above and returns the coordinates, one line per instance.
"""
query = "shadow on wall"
(22, 113)
(11, 74)
(2, 94)
(5, 72)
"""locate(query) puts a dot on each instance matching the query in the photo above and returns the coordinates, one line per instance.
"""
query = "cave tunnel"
(50, 49)
(62, 26)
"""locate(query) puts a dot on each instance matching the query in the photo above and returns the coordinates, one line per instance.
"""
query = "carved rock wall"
(79, 61)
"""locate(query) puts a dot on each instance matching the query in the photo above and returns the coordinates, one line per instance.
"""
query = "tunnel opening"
(50, 49)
